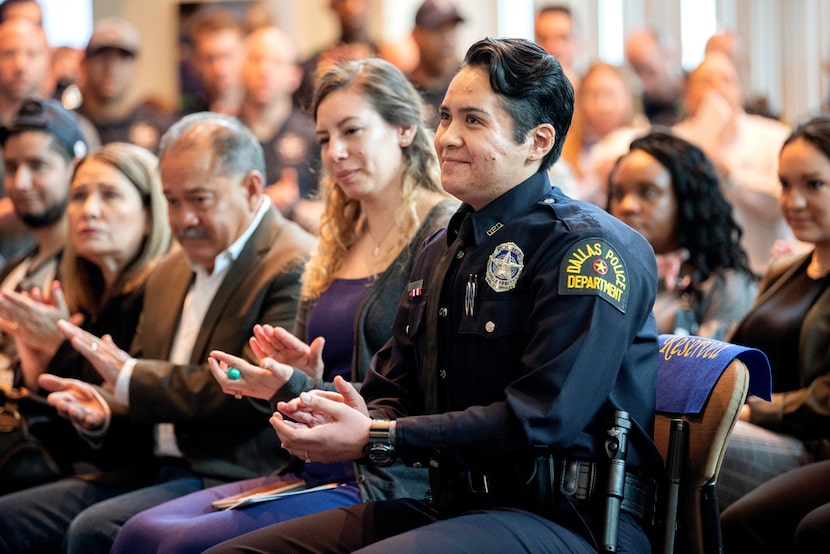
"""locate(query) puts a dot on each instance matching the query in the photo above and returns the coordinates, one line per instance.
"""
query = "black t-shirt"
(774, 327)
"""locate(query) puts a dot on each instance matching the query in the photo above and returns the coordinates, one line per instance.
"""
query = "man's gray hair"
(236, 150)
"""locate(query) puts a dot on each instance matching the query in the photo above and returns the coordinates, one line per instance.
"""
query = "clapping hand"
(31, 319)
(103, 353)
(75, 400)
(239, 377)
(278, 344)
(324, 426)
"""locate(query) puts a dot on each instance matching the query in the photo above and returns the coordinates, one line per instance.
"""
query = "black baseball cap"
(434, 14)
(113, 33)
(48, 116)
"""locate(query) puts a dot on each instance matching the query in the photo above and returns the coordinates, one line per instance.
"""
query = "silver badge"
(504, 266)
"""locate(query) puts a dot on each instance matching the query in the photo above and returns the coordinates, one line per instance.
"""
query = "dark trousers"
(80, 516)
(790, 513)
(410, 526)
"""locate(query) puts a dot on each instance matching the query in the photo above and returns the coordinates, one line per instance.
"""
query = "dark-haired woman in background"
(668, 190)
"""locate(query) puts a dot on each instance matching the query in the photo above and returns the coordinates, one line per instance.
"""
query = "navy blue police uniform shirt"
(556, 333)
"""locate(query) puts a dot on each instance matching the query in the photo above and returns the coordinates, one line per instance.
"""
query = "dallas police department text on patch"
(593, 267)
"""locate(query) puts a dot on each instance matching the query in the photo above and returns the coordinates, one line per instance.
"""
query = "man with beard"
(40, 149)
(239, 264)
(23, 66)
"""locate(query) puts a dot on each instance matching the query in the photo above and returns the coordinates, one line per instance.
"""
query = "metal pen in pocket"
(470, 295)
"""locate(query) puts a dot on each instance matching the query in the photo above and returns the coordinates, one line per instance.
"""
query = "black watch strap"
(380, 450)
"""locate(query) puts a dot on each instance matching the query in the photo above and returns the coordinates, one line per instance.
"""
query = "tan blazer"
(220, 436)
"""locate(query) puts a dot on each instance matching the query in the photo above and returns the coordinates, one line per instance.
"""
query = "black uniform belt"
(582, 482)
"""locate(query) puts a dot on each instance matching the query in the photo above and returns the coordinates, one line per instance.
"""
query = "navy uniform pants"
(409, 526)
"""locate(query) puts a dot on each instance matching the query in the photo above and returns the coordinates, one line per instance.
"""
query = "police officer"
(525, 325)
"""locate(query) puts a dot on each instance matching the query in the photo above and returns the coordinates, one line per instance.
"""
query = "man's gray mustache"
(192, 234)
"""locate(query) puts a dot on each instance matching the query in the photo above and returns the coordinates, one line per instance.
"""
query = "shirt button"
(433, 463)
(548, 200)
(417, 464)
(489, 326)
(459, 254)
(442, 374)
(442, 312)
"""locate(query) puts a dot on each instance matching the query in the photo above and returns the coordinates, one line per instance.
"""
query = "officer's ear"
(542, 138)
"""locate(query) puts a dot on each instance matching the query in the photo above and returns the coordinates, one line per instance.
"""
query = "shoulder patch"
(593, 267)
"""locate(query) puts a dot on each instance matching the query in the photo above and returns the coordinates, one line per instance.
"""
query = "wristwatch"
(380, 450)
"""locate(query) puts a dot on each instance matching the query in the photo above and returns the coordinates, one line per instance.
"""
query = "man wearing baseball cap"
(23, 68)
(110, 67)
(435, 35)
(41, 147)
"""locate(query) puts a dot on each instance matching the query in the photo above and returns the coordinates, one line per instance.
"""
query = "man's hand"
(280, 345)
(102, 353)
(75, 400)
(324, 426)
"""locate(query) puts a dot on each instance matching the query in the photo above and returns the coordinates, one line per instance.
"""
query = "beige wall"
(798, 29)
(309, 22)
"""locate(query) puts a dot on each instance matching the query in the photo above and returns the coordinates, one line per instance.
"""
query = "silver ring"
(94, 345)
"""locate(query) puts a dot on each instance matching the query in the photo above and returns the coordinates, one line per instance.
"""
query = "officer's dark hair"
(815, 131)
(531, 85)
(705, 225)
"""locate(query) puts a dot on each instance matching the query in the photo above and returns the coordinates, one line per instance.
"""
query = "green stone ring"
(234, 374)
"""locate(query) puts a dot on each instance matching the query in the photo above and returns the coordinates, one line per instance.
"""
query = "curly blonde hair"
(342, 222)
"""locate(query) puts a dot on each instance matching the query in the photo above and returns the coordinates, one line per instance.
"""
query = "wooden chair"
(693, 445)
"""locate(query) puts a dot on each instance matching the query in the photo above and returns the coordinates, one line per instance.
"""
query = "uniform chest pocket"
(415, 318)
(495, 318)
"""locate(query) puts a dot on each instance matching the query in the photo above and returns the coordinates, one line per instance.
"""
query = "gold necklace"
(378, 243)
